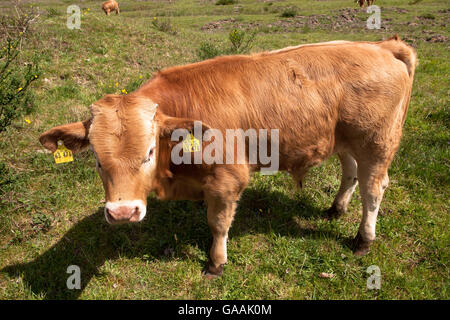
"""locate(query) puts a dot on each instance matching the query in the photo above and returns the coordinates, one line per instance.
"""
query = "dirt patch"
(396, 10)
(344, 20)
(217, 25)
(349, 20)
(437, 38)
(437, 21)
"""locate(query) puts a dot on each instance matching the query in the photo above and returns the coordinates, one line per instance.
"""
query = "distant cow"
(361, 2)
(341, 97)
(110, 5)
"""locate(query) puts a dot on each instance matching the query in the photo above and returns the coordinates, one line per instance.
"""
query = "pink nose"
(123, 214)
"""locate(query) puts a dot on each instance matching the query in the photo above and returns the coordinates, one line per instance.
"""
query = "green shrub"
(225, 2)
(16, 76)
(207, 50)
(289, 12)
(428, 16)
(236, 38)
(241, 42)
(267, 6)
(164, 25)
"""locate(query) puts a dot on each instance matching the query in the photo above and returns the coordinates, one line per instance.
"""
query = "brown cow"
(361, 2)
(110, 5)
(341, 97)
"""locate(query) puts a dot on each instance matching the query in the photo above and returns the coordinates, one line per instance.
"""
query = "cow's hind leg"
(349, 181)
(220, 217)
(373, 180)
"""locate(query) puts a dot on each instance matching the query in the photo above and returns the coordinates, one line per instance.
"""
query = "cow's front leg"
(220, 217)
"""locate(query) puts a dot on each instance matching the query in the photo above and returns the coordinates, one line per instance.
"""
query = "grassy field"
(51, 216)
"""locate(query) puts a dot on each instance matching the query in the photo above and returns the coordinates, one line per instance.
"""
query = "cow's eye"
(150, 155)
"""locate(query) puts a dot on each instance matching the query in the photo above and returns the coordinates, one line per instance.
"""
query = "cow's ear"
(74, 136)
(169, 124)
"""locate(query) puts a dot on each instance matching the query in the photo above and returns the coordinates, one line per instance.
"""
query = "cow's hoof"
(361, 247)
(212, 272)
(334, 213)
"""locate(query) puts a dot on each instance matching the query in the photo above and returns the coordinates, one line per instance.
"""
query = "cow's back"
(110, 5)
(309, 93)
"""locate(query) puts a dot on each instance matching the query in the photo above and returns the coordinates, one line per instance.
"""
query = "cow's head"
(124, 134)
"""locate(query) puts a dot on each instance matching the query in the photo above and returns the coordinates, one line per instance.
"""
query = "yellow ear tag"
(191, 144)
(62, 154)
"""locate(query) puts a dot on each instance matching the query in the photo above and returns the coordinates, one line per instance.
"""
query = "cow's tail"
(402, 52)
(408, 56)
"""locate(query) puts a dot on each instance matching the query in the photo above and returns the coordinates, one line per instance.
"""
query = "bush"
(164, 26)
(428, 16)
(207, 50)
(289, 13)
(241, 42)
(236, 38)
(225, 2)
(15, 76)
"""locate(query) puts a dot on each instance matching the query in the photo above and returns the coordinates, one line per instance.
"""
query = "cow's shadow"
(168, 228)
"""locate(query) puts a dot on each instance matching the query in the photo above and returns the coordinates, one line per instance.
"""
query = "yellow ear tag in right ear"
(62, 154)
(191, 144)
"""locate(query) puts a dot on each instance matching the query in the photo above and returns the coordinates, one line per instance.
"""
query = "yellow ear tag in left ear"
(191, 144)
(62, 154)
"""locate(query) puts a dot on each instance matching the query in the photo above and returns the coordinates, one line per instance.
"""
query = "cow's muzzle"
(124, 211)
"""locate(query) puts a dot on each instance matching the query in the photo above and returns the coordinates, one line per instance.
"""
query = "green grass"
(51, 215)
